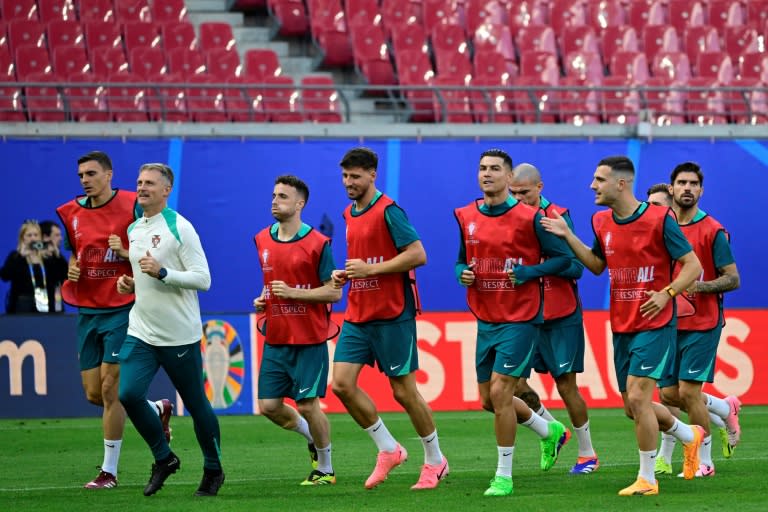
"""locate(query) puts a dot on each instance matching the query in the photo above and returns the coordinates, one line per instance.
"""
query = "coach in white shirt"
(164, 327)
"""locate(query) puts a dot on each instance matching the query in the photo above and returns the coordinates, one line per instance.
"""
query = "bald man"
(561, 340)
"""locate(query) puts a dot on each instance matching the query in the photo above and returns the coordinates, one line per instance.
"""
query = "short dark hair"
(96, 156)
(659, 187)
(361, 157)
(618, 163)
(295, 182)
(500, 153)
(46, 227)
(687, 167)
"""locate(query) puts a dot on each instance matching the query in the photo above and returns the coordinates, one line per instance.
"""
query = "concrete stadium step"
(206, 5)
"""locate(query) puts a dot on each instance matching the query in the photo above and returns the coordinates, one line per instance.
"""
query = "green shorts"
(100, 337)
(392, 346)
(293, 371)
(644, 354)
(561, 350)
(507, 349)
(696, 354)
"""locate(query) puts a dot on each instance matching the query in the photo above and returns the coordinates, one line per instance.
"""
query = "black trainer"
(211, 483)
(160, 472)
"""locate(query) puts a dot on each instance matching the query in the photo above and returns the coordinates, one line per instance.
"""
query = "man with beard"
(383, 249)
(699, 334)
(297, 263)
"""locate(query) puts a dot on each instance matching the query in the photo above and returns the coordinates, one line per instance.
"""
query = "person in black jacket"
(35, 270)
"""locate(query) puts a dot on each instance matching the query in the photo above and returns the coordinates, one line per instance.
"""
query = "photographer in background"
(35, 271)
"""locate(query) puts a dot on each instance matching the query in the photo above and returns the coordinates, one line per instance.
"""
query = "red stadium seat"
(491, 104)
(32, 60)
(567, 13)
(282, 101)
(223, 65)
(5, 45)
(290, 17)
(757, 12)
(50, 10)
(140, 35)
(329, 30)
(742, 39)
(580, 104)
(261, 63)
(414, 69)
(700, 39)
(643, 13)
(166, 11)
(578, 39)
(108, 61)
(185, 62)
(621, 100)
(705, 104)
(70, 60)
(536, 38)
(747, 104)
(495, 38)
(398, 13)
(672, 66)
(684, 14)
(482, 12)
(584, 66)
(320, 100)
(449, 39)
(664, 101)
(451, 101)
(716, 65)
(725, 13)
(754, 65)
(409, 37)
(22, 32)
(540, 65)
(216, 35)
(614, 39)
(147, 62)
(525, 13)
(19, 10)
(44, 102)
(437, 12)
(488, 63)
(102, 34)
(244, 103)
(7, 67)
(97, 10)
(127, 103)
(65, 33)
(86, 103)
(11, 104)
(605, 13)
(132, 10)
(371, 56)
(660, 38)
(632, 66)
(179, 35)
(363, 13)
(538, 103)
(168, 99)
(206, 104)
(454, 65)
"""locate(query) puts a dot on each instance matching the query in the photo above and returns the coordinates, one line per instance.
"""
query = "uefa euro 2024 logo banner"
(223, 363)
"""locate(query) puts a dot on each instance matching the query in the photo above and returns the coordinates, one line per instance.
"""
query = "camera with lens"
(37, 245)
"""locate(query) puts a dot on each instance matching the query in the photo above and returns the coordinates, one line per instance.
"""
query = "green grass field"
(44, 463)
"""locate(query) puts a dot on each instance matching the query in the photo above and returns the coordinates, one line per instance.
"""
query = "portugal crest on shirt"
(155, 241)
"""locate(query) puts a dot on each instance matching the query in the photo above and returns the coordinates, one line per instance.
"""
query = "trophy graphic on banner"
(216, 364)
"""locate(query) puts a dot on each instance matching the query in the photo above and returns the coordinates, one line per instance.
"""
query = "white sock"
(705, 451)
(585, 440)
(111, 455)
(432, 454)
(716, 420)
(381, 436)
(504, 466)
(302, 427)
(681, 431)
(647, 464)
(155, 406)
(717, 405)
(324, 459)
(537, 424)
(667, 447)
(544, 413)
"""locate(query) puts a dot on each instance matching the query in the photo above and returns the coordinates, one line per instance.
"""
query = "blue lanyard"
(32, 275)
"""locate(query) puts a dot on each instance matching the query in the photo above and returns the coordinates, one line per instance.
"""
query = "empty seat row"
(158, 11)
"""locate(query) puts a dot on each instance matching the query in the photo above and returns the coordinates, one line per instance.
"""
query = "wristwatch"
(162, 273)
